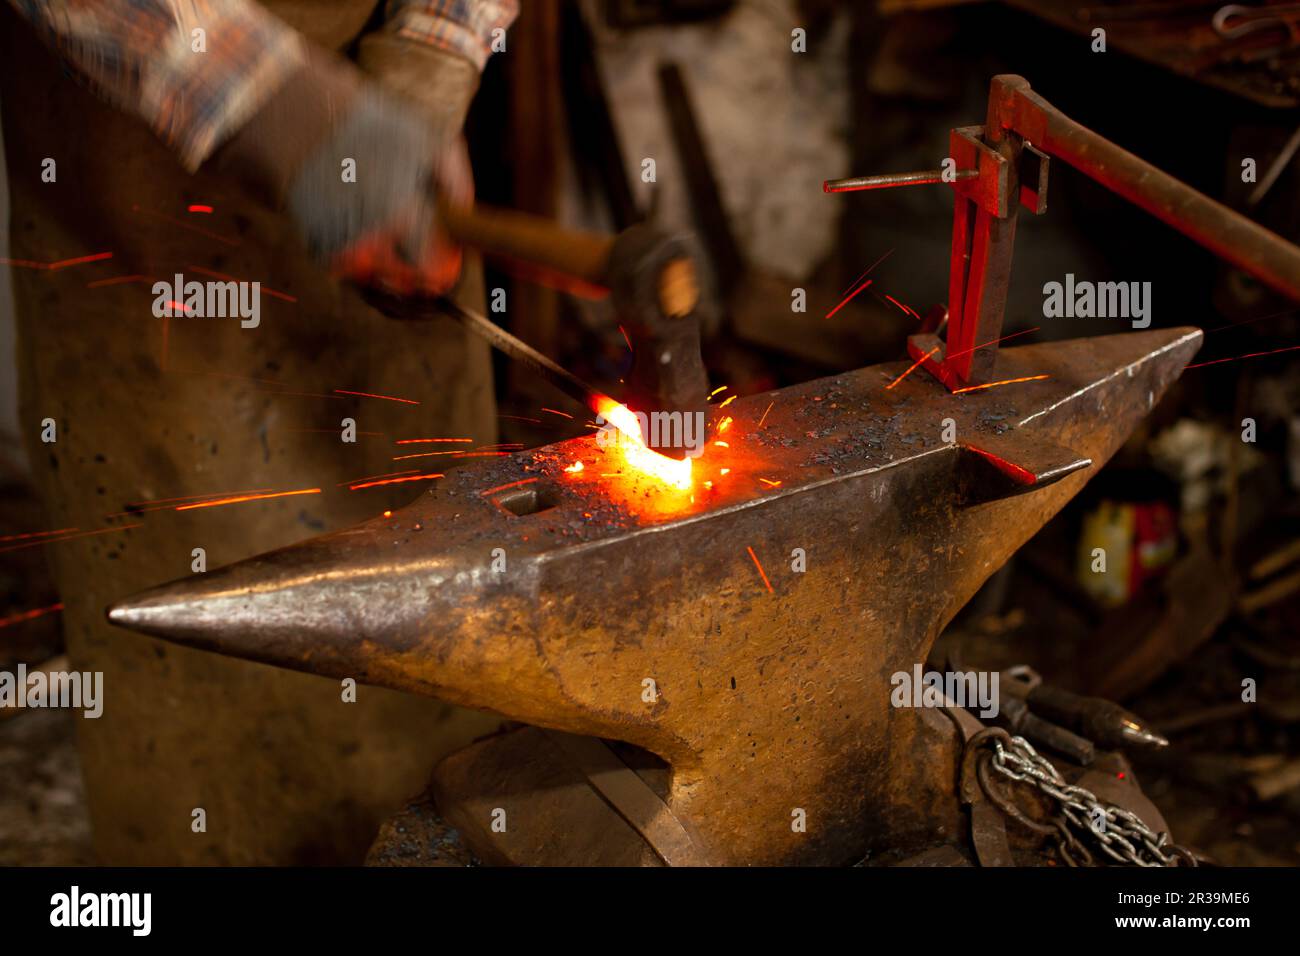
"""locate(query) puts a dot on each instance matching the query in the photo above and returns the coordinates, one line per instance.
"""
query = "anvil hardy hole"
(530, 500)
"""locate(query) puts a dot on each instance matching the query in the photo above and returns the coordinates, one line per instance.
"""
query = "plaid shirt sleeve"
(146, 57)
(463, 27)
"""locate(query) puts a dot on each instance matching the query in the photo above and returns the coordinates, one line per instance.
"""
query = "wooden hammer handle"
(539, 244)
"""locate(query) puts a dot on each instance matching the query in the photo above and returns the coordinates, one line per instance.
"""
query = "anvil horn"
(748, 632)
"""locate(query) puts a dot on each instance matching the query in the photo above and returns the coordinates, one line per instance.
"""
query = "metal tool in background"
(647, 273)
(1002, 166)
(1101, 721)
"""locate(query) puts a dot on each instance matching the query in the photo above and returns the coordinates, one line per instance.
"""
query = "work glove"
(361, 172)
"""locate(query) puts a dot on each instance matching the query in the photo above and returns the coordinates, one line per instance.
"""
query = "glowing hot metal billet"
(765, 702)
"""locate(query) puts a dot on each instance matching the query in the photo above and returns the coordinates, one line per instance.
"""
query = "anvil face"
(628, 611)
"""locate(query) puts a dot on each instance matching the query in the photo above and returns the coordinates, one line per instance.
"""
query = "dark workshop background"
(742, 133)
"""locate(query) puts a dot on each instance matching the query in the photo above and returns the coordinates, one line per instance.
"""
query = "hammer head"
(652, 282)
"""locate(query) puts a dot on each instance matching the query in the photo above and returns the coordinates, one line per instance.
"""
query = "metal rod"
(1226, 233)
(889, 180)
(521, 351)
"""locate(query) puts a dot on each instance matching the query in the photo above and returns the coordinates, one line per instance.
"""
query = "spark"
(388, 514)
(182, 224)
(59, 264)
(35, 534)
(423, 454)
(428, 441)
(1238, 358)
(30, 615)
(720, 388)
(394, 481)
(241, 498)
(482, 454)
(724, 471)
(117, 280)
(70, 537)
(554, 412)
(626, 339)
(262, 287)
(769, 408)
(728, 401)
(984, 345)
(507, 486)
(387, 398)
(907, 309)
(722, 444)
(725, 424)
(1009, 381)
(574, 468)
(165, 504)
(290, 394)
(868, 270)
(848, 298)
(914, 366)
(973, 348)
(196, 207)
(770, 482)
(387, 474)
(761, 572)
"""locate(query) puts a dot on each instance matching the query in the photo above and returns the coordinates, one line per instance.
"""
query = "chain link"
(1119, 833)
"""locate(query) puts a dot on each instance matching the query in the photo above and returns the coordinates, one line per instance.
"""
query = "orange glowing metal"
(242, 498)
(639, 457)
(1009, 381)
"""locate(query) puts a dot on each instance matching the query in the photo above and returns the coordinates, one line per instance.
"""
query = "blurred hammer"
(648, 273)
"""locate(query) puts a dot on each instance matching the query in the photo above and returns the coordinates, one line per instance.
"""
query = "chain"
(1120, 834)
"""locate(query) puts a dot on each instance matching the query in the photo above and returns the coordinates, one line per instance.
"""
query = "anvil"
(767, 605)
